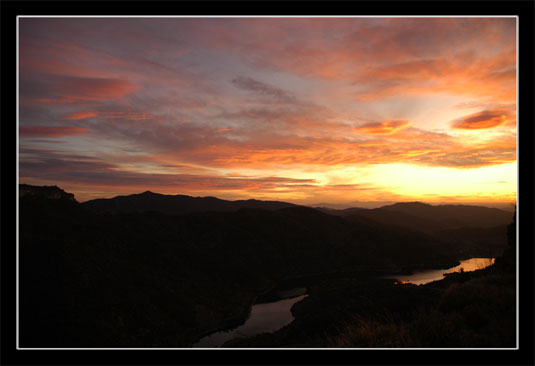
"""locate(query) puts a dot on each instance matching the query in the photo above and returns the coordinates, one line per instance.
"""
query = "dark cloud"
(387, 127)
(52, 166)
(484, 119)
(41, 131)
(260, 88)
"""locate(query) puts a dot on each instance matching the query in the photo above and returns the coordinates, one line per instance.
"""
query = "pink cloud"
(132, 115)
(40, 131)
(80, 115)
(70, 88)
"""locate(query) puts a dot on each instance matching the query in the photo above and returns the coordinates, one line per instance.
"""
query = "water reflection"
(430, 275)
(265, 318)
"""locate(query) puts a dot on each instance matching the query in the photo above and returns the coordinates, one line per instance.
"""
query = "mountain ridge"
(176, 204)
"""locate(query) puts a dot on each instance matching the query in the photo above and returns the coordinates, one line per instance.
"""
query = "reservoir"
(264, 318)
(430, 275)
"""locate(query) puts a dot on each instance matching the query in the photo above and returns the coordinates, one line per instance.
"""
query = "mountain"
(469, 231)
(351, 204)
(427, 218)
(49, 192)
(164, 270)
(137, 279)
(454, 216)
(176, 204)
(505, 206)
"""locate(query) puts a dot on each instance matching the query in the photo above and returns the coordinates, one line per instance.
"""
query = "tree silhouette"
(511, 232)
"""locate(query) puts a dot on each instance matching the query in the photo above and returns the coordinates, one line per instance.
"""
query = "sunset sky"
(303, 110)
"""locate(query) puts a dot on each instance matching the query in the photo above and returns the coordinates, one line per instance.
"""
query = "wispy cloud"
(40, 131)
(484, 120)
(258, 87)
(387, 127)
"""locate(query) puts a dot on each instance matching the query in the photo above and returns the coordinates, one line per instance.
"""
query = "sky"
(302, 110)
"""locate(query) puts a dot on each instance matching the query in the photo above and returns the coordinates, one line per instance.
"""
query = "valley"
(140, 276)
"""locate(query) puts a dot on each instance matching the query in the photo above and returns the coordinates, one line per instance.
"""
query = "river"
(266, 317)
(430, 275)
(270, 316)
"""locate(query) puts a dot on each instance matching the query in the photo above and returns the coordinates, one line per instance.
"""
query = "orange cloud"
(59, 89)
(395, 56)
(80, 115)
(132, 115)
(493, 77)
(39, 131)
(387, 127)
(483, 120)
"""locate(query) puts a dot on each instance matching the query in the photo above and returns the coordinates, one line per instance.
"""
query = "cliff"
(50, 192)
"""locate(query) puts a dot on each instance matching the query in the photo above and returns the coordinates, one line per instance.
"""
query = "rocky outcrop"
(50, 192)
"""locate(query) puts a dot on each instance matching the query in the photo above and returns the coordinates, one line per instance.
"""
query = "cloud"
(91, 89)
(385, 57)
(465, 74)
(387, 127)
(59, 89)
(79, 115)
(317, 144)
(185, 98)
(260, 88)
(88, 175)
(41, 131)
(483, 120)
(129, 114)
(57, 167)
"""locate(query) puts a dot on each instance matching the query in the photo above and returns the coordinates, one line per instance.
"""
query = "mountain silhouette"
(176, 204)
(454, 216)
(49, 192)
(163, 270)
(428, 218)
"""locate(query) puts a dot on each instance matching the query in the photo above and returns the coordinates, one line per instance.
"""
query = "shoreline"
(233, 323)
(306, 280)
(301, 281)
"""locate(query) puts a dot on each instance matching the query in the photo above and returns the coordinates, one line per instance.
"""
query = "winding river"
(268, 317)
(265, 317)
(430, 275)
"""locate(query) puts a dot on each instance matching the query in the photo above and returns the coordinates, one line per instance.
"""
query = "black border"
(524, 356)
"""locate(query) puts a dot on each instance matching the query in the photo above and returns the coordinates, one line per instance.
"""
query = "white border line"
(273, 16)
(17, 200)
(267, 16)
(517, 190)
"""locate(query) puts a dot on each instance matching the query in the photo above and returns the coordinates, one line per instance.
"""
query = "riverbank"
(273, 292)
(236, 321)
(466, 309)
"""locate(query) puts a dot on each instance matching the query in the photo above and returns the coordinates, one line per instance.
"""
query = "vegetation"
(468, 309)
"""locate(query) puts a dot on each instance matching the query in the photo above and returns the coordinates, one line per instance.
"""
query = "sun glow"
(489, 183)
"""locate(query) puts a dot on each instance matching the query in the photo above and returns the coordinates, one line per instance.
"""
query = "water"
(269, 317)
(264, 318)
(430, 275)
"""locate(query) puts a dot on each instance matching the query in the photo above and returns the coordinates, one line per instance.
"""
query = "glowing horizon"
(303, 110)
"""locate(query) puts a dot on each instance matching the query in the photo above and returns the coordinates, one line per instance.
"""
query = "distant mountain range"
(423, 217)
(414, 215)
(176, 204)
(509, 207)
